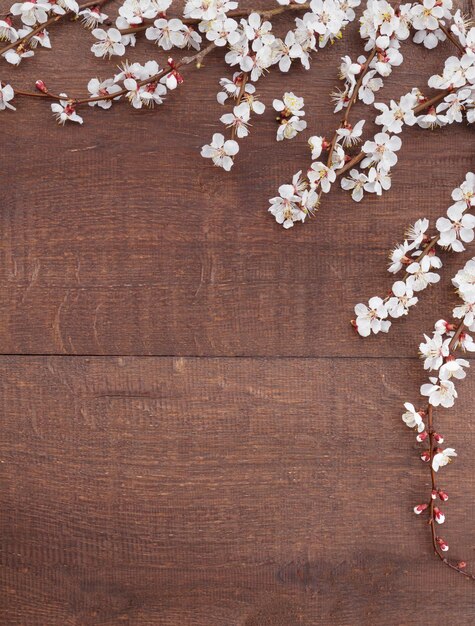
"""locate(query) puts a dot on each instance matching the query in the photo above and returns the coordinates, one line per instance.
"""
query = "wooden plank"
(224, 492)
(117, 238)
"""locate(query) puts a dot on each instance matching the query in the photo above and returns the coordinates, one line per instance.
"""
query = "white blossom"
(7, 31)
(290, 105)
(167, 33)
(372, 318)
(379, 179)
(370, 85)
(6, 95)
(394, 116)
(31, 13)
(222, 31)
(355, 183)
(453, 368)
(287, 206)
(92, 17)
(464, 280)
(401, 300)
(413, 418)
(382, 150)
(398, 257)
(434, 351)
(109, 43)
(443, 458)
(238, 119)
(65, 111)
(440, 392)
(456, 228)
(320, 174)
(350, 135)
(221, 151)
(420, 275)
(98, 88)
(416, 233)
(316, 146)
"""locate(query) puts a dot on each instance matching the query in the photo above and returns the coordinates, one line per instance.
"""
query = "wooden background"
(192, 435)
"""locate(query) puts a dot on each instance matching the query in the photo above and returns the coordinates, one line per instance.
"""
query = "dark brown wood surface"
(192, 435)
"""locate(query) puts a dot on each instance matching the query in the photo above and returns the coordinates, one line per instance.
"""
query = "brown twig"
(448, 33)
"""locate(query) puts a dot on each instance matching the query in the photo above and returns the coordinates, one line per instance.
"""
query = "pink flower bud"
(422, 436)
(419, 508)
(425, 456)
(443, 495)
(441, 543)
(433, 494)
(438, 438)
(461, 565)
(41, 86)
(439, 516)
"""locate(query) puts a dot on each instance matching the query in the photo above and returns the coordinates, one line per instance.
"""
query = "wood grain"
(223, 492)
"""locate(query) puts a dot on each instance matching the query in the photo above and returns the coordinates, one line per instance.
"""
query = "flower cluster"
(250, 48)
(440, 358)
(383, 28)
(141, 85)
(456, 99)
(294, 201)
(417, 256)
(33, 16)
(254, 49)
(290, 110)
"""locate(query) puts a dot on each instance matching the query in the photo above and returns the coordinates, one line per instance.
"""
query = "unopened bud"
(439, 516)
(425, 456)
(433, 494)
(41, 86)
(441, 543)
(421, 436)
(418, 509)
(461, 565)
(443, 495)
(438, 438)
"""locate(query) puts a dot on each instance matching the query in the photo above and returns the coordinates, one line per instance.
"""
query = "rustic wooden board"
(264, 491)
(118, 238)
(224, 492)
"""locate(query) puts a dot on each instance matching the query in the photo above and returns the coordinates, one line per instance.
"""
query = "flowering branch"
(21, 43)
(439, 353)
(417, 255)
(383, 28)
(249, 42)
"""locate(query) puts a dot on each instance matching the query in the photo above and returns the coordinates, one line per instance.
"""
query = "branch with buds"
(440, 355)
